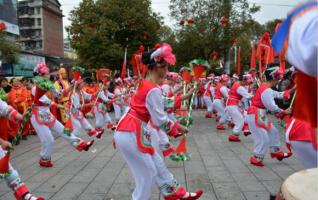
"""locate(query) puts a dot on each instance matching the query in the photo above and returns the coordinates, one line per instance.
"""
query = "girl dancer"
(133, 139)
(44, 122)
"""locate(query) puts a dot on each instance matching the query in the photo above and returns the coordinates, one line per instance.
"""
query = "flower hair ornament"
(41, 69)
(164, 53)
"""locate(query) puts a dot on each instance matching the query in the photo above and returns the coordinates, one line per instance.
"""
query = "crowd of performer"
(146, 116)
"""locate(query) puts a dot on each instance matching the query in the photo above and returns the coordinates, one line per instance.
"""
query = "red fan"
(198, 70)
(186, 76)
(4, 164)
(76, 75)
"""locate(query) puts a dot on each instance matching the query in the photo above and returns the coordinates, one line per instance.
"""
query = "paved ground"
(219, 167)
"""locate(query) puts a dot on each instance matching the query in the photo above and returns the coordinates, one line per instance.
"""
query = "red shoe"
(45, 163)
(231, 124)
(84, 145)
(220, 127)
(246, 133)
(30, 196)
(177, 195)
(208, 115)
(280, 155)
(246, 130)
(92, 133)
(256, 162)
(23, 193)
(193, 196)
(217, 119)
(110, 126)
(100, 132)
(234, 138)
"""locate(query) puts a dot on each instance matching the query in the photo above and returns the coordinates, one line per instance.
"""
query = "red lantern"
(190, 22)
(2, 26)
(224, 21)
(182, 22)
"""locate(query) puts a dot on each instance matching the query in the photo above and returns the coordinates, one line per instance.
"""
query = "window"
(38, 33)
(38, 11)
(39, 22)
(31, 11)
(39, 44)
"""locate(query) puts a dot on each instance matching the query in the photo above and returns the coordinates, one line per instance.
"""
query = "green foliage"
(207, 34)
(8, 49)
(101, 29)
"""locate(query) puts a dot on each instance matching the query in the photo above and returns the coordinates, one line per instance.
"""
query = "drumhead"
(302, 185)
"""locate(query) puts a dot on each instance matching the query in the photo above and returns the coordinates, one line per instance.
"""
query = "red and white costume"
(220, 95)
(119, 103)
(12, 177)
(133, 140)
(207, 97)
(79, 121)
(236, 93)
(265, 135)
(299, 135)
(100, 110)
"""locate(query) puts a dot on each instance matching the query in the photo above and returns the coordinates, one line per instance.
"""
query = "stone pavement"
(219, 167)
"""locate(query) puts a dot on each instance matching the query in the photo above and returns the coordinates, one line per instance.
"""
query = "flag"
(238, 62)
(124, 67)
(253, 62)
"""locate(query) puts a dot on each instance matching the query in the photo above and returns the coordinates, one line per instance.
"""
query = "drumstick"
(292, 101)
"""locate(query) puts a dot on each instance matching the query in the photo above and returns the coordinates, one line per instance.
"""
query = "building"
(41, 26)
(8, 18)
(69, 52)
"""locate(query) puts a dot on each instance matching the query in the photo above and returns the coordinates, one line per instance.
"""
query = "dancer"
(11, 176)
(44, 122)
(207, 97)
(220, 95)
(100, 109)
(265, 135)
(133, 139)
(236, 93)
(75, 105)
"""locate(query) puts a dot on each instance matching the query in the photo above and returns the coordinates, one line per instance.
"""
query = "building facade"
(41, 26)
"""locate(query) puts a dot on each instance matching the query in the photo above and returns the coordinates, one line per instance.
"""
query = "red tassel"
(4, 164)
(182, 147)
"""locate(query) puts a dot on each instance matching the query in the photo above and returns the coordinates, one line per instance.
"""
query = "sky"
(270, 9)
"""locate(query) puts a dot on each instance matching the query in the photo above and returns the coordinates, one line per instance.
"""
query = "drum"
(302, 185)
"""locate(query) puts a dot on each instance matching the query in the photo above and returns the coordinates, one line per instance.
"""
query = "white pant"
(208, 103)
(262, 138)
(219, 107)
(47, 140)
(305, 153)
(245, 103)
(118, 111)
(78, 126)
(101, 119)
(148, 170)
(237, 118)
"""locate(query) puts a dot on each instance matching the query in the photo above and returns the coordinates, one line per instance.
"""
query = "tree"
(8, 49)
(101, 29)
(207, 34)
